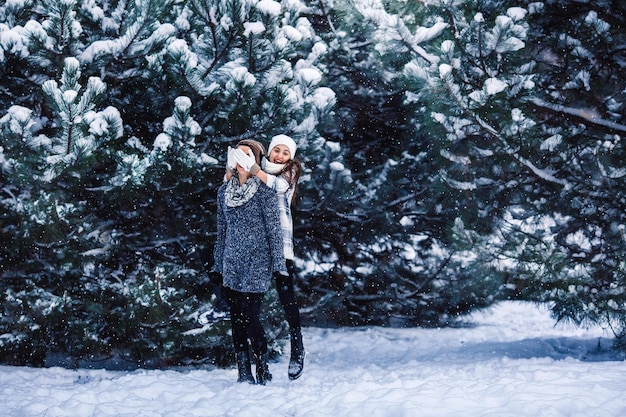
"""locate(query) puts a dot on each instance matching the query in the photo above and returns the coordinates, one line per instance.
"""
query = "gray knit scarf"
(237, 195)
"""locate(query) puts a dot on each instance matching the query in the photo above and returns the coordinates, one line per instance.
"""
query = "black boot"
(296, 362)
(244, 367)
(263, 374)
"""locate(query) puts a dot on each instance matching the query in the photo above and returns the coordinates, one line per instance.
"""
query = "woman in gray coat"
(248, 250)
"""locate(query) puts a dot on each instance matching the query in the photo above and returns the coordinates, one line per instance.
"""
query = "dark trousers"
(287, 296)
(245, 319)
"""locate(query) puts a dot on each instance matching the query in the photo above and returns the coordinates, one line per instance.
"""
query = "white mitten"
(245, 161)
(231, 163)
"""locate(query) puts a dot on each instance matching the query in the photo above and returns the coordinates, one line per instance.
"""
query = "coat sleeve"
(277, 183)
(274, 231)
(218, 249)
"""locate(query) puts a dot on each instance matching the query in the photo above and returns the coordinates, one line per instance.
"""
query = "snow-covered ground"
(509, 361)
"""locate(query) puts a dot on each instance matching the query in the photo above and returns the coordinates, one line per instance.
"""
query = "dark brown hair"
(292, 172)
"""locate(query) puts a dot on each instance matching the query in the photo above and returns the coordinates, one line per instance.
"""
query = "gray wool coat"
(249, 245)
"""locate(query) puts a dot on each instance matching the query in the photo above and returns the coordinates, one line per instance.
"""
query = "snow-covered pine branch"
(585, 115)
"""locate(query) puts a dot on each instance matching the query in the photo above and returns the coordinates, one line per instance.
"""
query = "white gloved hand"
(245, 161)
(231, 163)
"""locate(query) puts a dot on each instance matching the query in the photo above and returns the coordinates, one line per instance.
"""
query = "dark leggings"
(284, 287)
(245, 318)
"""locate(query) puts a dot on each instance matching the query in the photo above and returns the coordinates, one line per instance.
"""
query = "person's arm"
(262, 175)
(218, 249)
(276, 183)
(274, 232)
(231, 164)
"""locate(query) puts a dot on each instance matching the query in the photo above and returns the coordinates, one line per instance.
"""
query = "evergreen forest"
(455, 153)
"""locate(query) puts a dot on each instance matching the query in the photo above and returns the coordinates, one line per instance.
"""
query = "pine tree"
(569, 242)
(51, 224)
(528, 173)
(454, 153)
(126, 194)
(156, 210)
(389, 256)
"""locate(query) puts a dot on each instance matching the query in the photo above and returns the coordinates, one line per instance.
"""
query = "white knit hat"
(284, 140)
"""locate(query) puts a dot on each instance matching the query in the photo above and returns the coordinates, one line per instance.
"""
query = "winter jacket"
(249, 245)
(285, 193)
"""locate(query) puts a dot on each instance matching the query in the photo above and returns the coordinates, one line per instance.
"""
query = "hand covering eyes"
(231, 163)
(245, 161)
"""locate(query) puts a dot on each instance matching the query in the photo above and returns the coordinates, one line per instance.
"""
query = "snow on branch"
(580, 114)
(446, 78)
(543, 174)
(391, 29)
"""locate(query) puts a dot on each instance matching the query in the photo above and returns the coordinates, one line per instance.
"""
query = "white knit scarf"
(237, 195)
(271, 168)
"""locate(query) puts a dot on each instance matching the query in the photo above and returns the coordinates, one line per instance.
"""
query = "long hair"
(292, 171)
